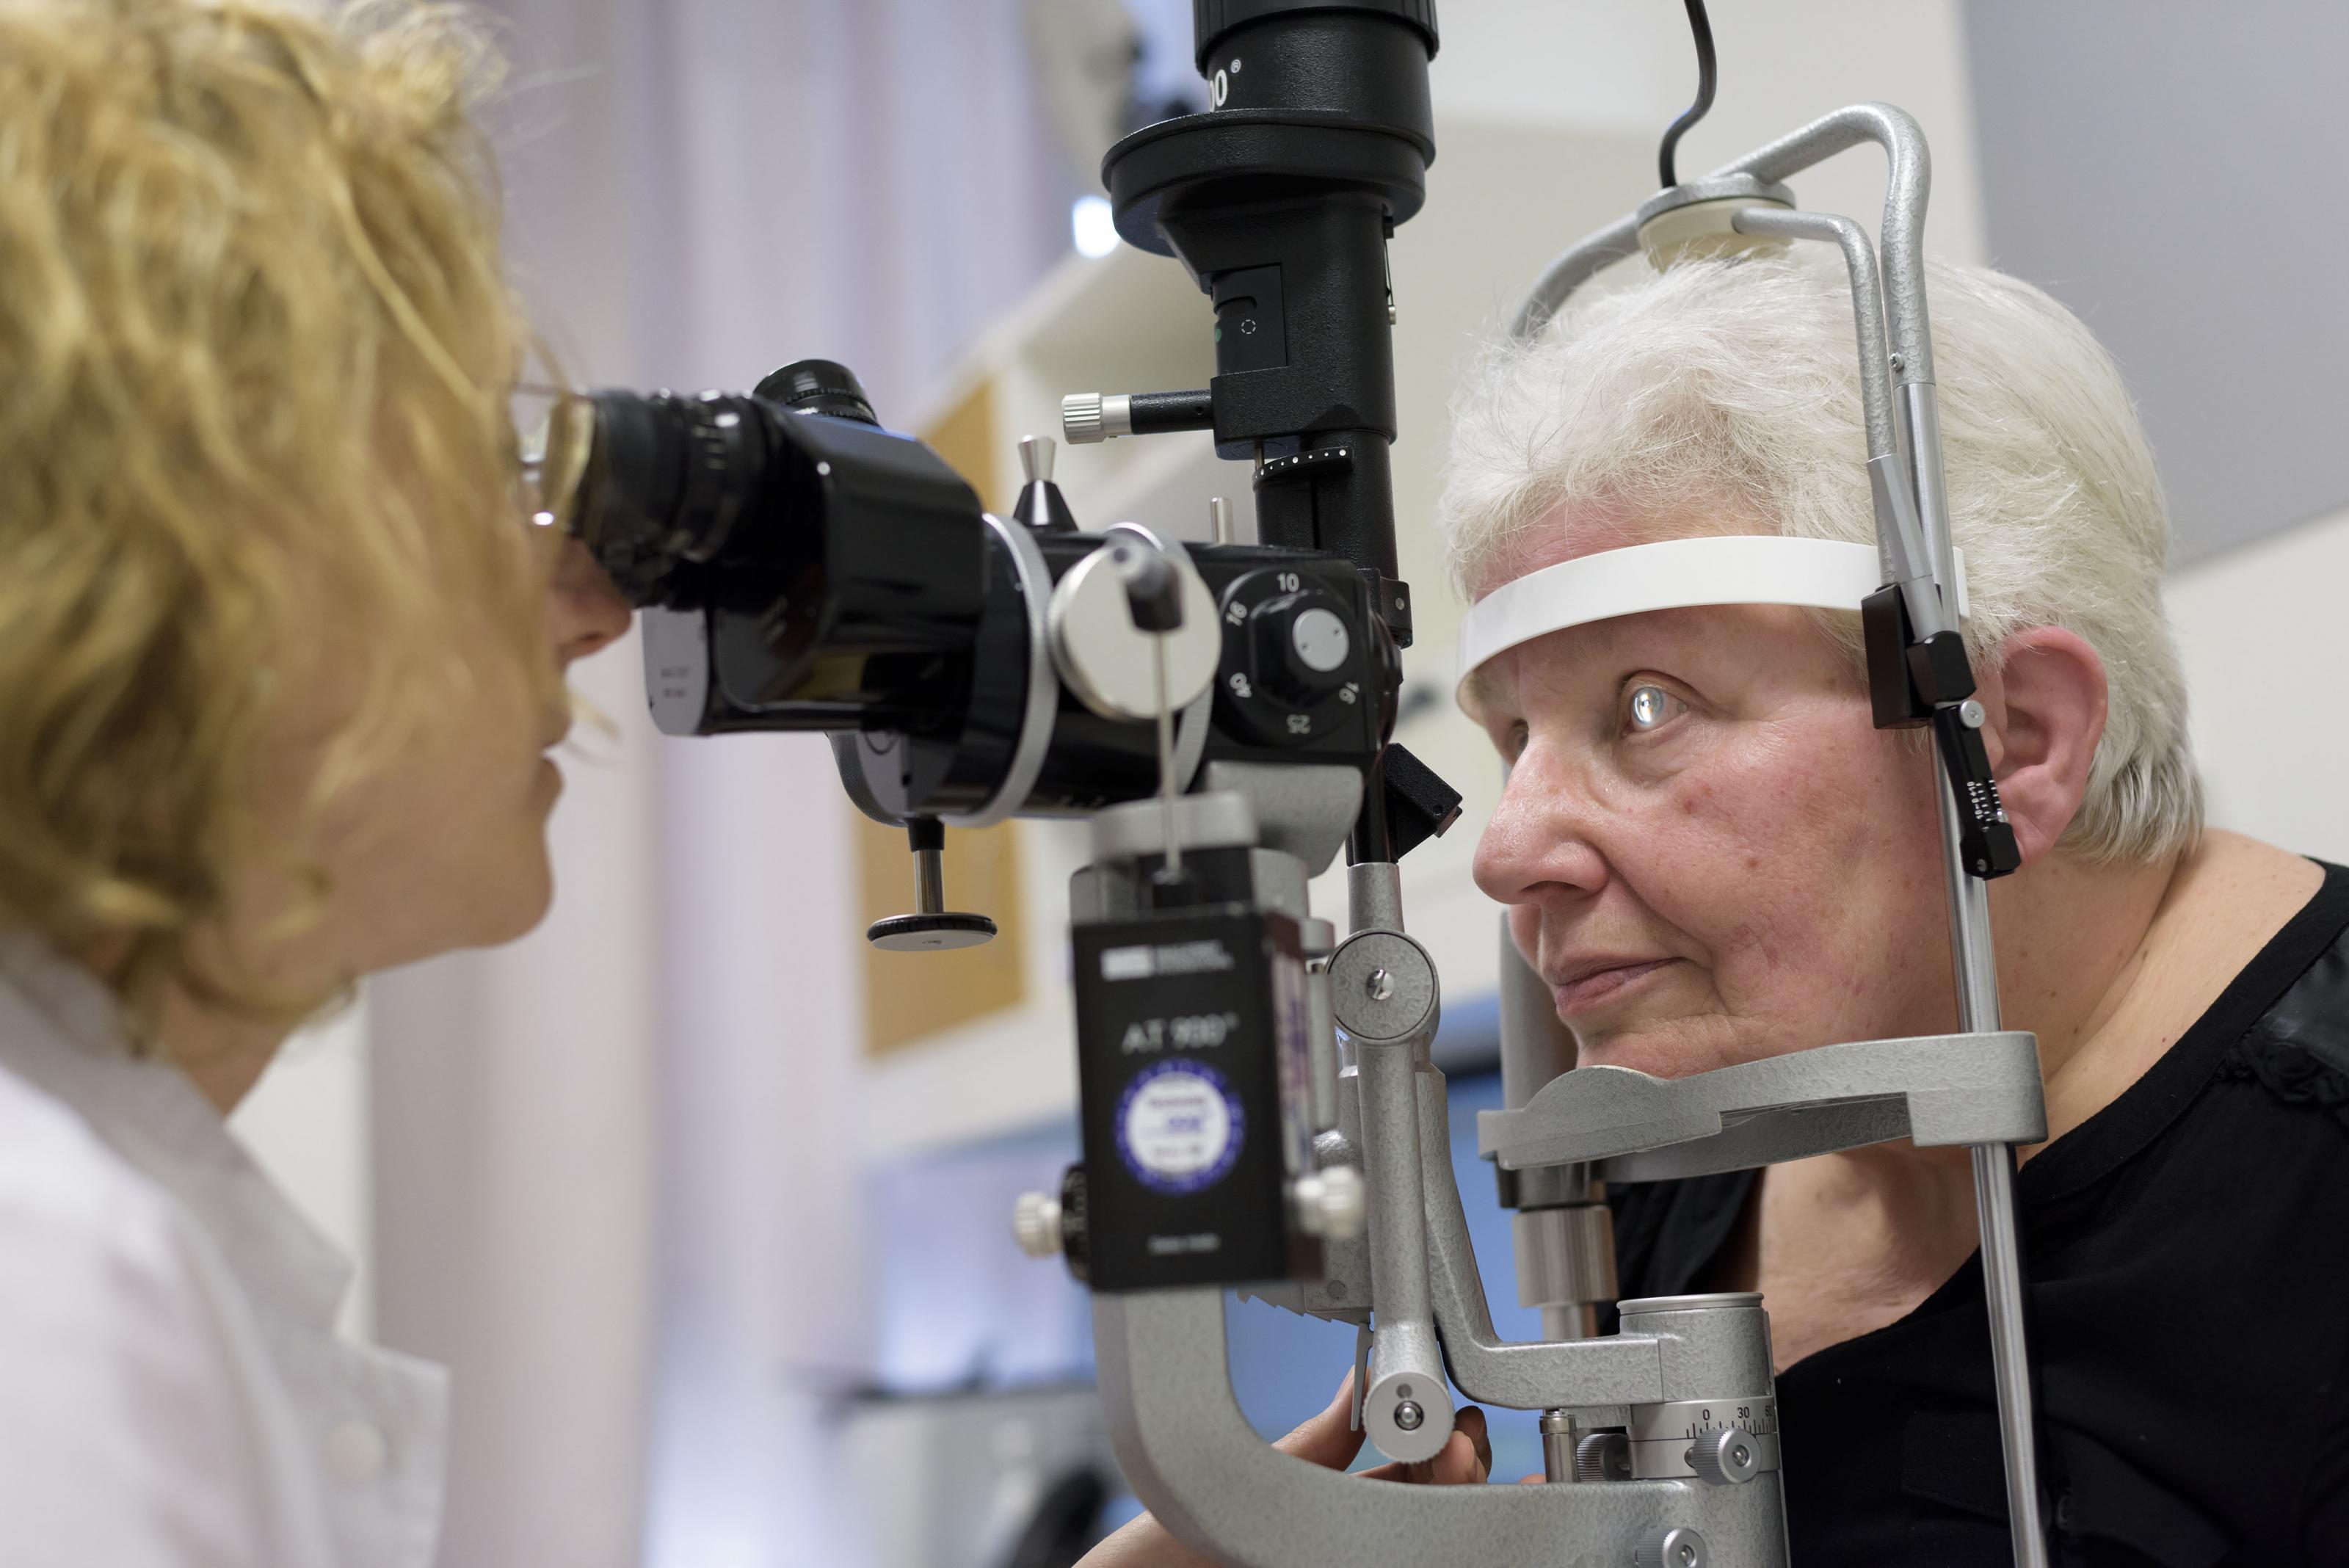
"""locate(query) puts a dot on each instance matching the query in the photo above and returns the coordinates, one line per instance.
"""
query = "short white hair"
(1736, 381)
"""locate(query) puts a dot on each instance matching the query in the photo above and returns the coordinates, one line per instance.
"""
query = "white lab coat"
(172, 1392)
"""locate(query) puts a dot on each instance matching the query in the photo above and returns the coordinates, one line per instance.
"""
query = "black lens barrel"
(1211, 21)
(818, 387)
(669, 479)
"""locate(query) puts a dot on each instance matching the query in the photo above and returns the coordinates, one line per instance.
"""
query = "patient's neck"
(2109, 965)
(2073, 940)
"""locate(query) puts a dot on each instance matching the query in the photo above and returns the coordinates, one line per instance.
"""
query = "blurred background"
(707, 1202)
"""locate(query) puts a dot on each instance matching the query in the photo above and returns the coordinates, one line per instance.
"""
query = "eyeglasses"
(555, 429)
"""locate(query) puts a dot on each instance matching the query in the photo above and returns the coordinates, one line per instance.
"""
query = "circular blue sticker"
(1179, 1127)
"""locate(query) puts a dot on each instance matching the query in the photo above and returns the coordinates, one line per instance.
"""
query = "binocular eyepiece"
(667, 478)
(800, 568)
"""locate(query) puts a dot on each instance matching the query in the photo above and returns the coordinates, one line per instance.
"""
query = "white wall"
(1628, 65)
(2261, 631)
(2123, 207)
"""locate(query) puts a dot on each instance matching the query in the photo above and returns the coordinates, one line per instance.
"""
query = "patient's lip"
(1585, 982)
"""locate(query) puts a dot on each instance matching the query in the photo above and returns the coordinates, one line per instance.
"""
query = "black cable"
(1666, 162)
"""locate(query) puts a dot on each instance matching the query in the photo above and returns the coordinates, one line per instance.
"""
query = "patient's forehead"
(1579, 528)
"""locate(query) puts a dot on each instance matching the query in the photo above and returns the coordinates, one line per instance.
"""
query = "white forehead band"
(1677, 573)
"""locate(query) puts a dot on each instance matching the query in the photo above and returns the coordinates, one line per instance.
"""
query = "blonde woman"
(280, 658)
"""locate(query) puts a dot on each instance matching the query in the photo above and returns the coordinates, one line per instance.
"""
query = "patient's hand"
(1467, 1458)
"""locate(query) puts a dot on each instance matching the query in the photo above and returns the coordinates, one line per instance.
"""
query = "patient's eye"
(1648, 706)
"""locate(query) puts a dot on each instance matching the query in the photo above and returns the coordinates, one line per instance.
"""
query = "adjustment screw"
(1603, 1456)
(1330, 1204)
(1726, 1458)
(1971, 712)
(1679, 1547)
(1036, 1224)
(1408, 1416)
(1379, 986)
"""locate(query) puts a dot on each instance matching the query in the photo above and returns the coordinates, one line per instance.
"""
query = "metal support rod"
(929, 881)
(1868, 307)
(1900, 536)
(1406, 1354)
(1909, 181)
(1908, 185)
(1167, 792)
(1974, 966)
(1557, 1446)
(1573, 268)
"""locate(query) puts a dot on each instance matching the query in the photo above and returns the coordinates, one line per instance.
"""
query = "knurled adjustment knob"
(1603, 1456)
(1331, 1204)
(1036, 1223)
(1679, 1547)
(1303, 645)
(1725, 1457)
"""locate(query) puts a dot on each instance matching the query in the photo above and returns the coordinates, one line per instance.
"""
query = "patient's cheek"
(1784, 856)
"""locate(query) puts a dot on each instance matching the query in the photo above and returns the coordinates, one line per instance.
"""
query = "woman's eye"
(1651, 707)
(1513, 740)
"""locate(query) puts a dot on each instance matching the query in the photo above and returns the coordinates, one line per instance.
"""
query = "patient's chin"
(1661, 1053)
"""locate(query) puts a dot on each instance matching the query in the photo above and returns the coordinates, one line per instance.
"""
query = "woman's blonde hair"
(1737, 383)
(256, 349)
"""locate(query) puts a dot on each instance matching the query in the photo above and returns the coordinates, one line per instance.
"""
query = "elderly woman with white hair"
(1712, 856)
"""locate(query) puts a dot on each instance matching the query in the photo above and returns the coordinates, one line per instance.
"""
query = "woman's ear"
(2044, 712)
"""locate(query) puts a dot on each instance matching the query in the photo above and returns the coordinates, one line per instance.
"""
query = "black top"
(2187, 1251)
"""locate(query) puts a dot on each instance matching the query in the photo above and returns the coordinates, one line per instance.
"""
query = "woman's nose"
(585, 610)
(1537, 848)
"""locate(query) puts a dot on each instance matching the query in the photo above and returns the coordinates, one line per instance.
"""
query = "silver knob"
(1036, 1223)
(1409, 1415)
(1081, 417)
(1330, 1203)
(1726, 1458)
(1320, 640)
(1603, 1456)
(1087, 417)
(1036, 457)
(1679, 1547)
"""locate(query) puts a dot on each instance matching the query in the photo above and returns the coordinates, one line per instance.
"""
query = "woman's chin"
(533, 895)
(1661, 1051)
(518, 902)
